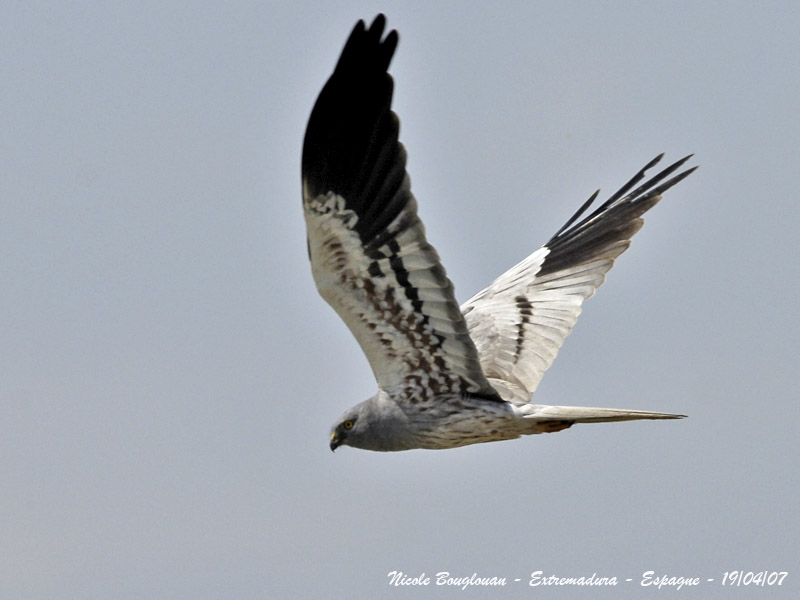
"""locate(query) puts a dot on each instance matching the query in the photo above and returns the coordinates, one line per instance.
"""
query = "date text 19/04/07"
(539, 578)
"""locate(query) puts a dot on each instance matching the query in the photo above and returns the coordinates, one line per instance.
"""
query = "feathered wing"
(520, 321)
(367, 246)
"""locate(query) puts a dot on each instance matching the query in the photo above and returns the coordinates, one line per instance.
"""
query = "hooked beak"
(335, 441)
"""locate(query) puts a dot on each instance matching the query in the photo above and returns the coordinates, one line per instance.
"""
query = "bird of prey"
(447, 376)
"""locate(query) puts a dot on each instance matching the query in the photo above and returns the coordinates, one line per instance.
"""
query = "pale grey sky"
(169, 373)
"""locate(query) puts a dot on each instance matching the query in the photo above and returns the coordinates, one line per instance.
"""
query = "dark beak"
(335, 441)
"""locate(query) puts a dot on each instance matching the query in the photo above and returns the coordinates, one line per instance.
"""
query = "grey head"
(376, 424)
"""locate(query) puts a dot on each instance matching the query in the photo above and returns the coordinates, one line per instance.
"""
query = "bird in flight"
(448, 376)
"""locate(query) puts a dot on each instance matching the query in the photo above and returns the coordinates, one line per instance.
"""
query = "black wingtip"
(582, 237)
(368, 44)
(649, 188)
(677, 179)
(578, 213)
(377, 26)
(352, 105)
(351, 145)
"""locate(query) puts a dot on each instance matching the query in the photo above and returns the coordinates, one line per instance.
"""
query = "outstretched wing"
(519, 322)
(367, 245)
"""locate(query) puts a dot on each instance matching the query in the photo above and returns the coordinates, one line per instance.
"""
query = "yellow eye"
(348, 425)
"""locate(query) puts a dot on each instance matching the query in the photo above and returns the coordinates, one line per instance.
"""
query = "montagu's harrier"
(447, 376)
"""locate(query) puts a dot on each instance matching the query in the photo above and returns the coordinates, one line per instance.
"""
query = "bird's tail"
(545, 419)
